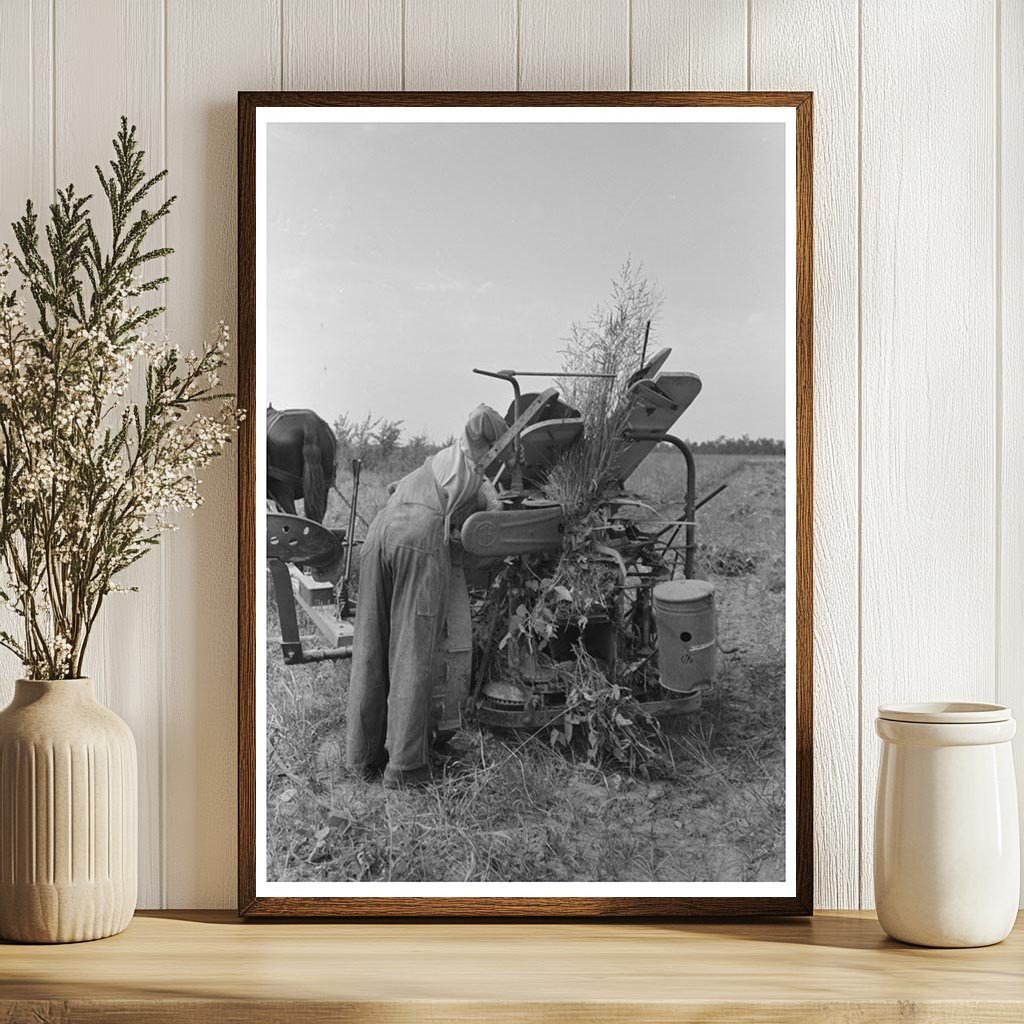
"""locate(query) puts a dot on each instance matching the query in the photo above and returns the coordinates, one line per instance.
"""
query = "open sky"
(400, 256)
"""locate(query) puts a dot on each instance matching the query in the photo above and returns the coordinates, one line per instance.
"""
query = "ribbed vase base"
(68, 815)
(63, 913)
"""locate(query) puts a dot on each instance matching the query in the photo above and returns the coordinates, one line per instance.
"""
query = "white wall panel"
(470, 44)
(342, 44)
(127, 666)
(814, 46)
(26, 107)
(573, 44)
(689, 44)
(213, 51)
(1010, 318)
(919, 319)
(26, 161)
(928, 363)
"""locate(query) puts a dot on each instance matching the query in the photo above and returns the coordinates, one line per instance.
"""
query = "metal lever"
(517, 444)
(691, 490)
(344, 596)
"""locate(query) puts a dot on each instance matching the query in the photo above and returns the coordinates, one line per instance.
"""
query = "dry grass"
(511, 809)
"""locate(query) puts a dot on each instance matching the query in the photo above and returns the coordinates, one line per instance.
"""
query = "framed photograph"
(525, 504)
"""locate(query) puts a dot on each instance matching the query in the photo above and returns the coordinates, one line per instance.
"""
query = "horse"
(301, 452)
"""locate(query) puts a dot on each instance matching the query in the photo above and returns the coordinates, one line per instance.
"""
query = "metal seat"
(301, 541)
(654, 405)
(542, 444)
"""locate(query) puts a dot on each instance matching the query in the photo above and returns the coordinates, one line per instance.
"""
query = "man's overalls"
(400, 616)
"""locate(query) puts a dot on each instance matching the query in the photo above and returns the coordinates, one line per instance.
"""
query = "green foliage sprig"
(90, 476)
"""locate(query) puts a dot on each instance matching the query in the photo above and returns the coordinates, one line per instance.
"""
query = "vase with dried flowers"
(103, 430)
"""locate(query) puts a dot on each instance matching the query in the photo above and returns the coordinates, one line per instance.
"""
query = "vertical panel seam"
(53, 98)
(162, 695)
(688, 12)
(402, 42)
(750, 55)
(997, 324)
(860, 458)
(629, 44)
(280, 41)
(33, 170)
(519, 55)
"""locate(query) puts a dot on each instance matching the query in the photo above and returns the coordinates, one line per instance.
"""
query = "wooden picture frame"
(251, 901)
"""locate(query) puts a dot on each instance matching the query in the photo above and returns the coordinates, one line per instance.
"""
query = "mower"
(656, 630)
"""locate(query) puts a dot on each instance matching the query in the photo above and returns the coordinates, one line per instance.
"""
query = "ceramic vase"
(947, 848)
(68, 815)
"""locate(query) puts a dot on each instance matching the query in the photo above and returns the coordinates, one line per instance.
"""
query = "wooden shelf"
(204, 967)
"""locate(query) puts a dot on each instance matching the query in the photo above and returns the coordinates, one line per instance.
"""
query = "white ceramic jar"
(947, 847)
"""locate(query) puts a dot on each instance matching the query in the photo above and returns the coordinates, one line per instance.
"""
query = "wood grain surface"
(781, 57)
(573, 44)
(227, 45)
(1009, 314)
(468, 45)
(201, 967)
(342, 44)
(26, 129)
(689, 44)
(130, 33)
(928, 366)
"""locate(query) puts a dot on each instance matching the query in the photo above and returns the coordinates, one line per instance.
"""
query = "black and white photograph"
(525, 492)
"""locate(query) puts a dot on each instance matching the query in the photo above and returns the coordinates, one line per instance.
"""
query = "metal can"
(687, 633)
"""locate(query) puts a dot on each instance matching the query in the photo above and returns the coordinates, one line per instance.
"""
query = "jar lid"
(945, 713)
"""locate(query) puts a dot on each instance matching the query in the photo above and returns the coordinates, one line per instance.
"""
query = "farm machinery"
(653, 631)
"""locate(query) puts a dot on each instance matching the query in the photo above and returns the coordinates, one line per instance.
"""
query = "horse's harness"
(283, 475)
